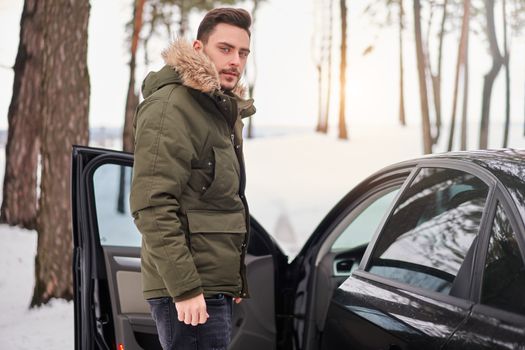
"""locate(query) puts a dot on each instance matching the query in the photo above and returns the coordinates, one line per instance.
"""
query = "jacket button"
(237, 146)
(203, 188)
(210, 163)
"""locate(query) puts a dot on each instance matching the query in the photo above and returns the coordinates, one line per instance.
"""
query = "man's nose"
(236, 59)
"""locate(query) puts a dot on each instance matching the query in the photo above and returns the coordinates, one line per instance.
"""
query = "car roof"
(507, 165)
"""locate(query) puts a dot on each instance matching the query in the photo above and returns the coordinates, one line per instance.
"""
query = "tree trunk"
(19, 206)
(436, 78)
(132, 100)
(507, 77)
(464, 129)
(343, 134)
(65, 122)
(329, 68)
(488, 82)
(402, 118)
(249, 132)
(319, 50)
(183, 19)
(459, 64)
(420, 56)
(321, 127)
(251, 83)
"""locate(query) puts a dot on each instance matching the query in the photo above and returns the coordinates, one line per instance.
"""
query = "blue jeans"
(215, 334)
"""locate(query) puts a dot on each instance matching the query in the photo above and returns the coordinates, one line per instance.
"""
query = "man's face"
(228, 49)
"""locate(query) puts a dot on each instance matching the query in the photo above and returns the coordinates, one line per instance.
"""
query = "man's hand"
(192, 311)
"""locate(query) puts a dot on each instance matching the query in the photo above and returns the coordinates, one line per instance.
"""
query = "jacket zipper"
(243, 291)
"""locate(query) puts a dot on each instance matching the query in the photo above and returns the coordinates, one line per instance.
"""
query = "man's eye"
(225, 49)
(243, 54)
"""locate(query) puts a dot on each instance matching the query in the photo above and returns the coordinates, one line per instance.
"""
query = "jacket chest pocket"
(217, 177)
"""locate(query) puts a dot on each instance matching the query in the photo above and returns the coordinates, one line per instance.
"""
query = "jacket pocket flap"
(207, 221)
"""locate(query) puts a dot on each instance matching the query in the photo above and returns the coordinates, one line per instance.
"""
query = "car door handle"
(343, 267)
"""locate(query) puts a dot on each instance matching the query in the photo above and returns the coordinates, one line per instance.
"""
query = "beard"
(229, 82)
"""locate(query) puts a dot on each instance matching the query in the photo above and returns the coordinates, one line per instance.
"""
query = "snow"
(47, 327)
(294, 179)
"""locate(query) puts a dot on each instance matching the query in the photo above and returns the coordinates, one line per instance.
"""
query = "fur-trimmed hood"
(193, 69)
(196, 70)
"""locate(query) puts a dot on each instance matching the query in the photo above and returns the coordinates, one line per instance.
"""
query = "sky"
(286, 86)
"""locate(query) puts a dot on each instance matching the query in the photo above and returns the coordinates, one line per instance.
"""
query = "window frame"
(106, 159)
(122, 159)
(502, 197)
(351, 215)
(464, 293)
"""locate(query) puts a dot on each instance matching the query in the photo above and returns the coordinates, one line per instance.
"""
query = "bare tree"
(253, 76)
(329, 67)
(375, 8)
(464, 126)
(506, 60)
(65, 106)
(132, 98)
(343, 133)
(19, 205)
(436, 77)
(460, 65)
(497, 61)
(423, 93)
(321, 126)
(402, 118)
(516, 24)
(319, 45)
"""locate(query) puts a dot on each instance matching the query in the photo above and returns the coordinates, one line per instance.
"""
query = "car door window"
(504, 272)
(115, 223)
(432, 229)
(362, 228)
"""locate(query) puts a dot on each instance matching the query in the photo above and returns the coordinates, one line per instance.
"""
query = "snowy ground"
(48, 327)
(293, 181)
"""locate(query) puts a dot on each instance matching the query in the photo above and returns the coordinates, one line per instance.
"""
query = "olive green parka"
(187, 192)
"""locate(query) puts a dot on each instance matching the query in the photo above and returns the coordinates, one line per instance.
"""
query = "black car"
(424, 254)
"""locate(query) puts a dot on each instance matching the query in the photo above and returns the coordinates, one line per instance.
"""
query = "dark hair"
(235, 17)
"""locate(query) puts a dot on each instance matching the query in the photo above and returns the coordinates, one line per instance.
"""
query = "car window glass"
(432, 229)
(363, 227)
(115, 223)
(504, 274)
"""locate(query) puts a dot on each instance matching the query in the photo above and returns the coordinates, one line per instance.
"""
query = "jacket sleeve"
(162, 166)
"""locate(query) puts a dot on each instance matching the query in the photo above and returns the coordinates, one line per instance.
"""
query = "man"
(187, 194)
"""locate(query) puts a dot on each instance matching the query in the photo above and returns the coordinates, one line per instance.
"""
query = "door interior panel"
(129, 292)
(256, 332)
(134, 327)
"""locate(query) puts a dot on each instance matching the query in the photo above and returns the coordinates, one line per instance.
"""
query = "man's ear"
(197, 45)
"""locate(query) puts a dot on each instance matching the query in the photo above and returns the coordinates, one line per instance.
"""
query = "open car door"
(110, 311)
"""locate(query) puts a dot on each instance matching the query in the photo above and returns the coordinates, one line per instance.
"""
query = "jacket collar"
(195, 69)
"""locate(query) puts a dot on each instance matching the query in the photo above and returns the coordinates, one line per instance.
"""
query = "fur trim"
(240, 90)
(196, 70)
